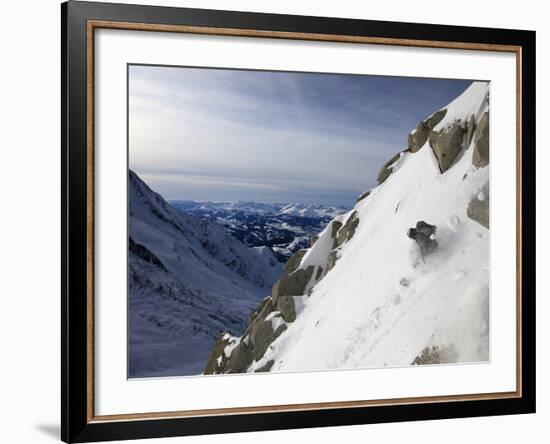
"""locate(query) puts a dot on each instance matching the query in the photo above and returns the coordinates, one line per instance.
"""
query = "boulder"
(266, 367)
(478, 208)
(332, 258)
(265, 307)
(418, 137)
(432, 121)
(287, 307)
(293, 284)
(348, 230)
(447, 145)
(436, 355)
(294, 261)
(240, 359)
(216, 361)
(470, 130)
(363, 196)
(319, 273)
(262, 335)
(480, 156)
(335, 227)
(387, 168)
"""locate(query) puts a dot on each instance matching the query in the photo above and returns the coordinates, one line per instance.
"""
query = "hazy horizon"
(223, 135)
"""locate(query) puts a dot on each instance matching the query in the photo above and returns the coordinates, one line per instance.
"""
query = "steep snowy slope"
(188, 281)
(362, 296)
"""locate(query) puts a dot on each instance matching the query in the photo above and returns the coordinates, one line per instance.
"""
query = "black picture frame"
(77, 425)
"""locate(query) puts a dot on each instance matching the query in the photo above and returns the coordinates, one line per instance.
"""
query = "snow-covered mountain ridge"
(188, 281)
(361, 296)
(283, 228)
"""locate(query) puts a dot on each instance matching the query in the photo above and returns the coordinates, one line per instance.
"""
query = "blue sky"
(226, 135)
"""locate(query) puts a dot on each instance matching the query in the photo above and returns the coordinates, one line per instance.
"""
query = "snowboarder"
(424, 236)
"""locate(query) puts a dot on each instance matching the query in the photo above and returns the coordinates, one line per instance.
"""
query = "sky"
(228, 135)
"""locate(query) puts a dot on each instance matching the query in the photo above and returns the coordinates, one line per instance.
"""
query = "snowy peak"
(188, 281)
(312, 211)
(365, 293)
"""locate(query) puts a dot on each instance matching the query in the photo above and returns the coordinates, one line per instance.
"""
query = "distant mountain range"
(282, 227)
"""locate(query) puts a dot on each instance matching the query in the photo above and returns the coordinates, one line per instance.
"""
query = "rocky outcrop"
(240, 358)
(332, 258)
(387, 169)
(436, 355)
(345, 233)
(447, 144)
(419, 136)
(363, 196)
(263, 333)
(293, 261)
(292, 284)
(480, 156)
(217, 359)
(287, 307)
(478, 208)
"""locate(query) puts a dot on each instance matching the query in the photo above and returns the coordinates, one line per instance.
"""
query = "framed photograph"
(275, 221)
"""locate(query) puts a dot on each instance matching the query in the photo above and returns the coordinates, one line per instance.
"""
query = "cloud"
(209, 134)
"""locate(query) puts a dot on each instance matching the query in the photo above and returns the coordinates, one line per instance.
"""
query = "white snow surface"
(472, 102)
(381, 305)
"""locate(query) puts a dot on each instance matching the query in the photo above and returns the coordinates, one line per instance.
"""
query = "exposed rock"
(418, 138)
(319, 273)
(332, 258)
(363, 196)
(470, 130)
(266, 367)
(348, 230)
(436, 355)
(478, 208)
(262, 335)
(312, 241)
(294, 261)
(293, 284)
(387, 168)
(262, 310)
(435, 118)
(287, 307)
(217, 360)
(335, 227)
(481, 151)
(447, 145)
(240, 359)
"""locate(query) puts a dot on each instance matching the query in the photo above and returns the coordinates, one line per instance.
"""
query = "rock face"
(419, 136)
(447, 145)
(216, 360)
(387, 168)
(478, 208)
(287, 307)
(480, 157)
(348, 230)
(292, 284)
(262, 335)
(294, 261)
(436, 355)
(363, 196)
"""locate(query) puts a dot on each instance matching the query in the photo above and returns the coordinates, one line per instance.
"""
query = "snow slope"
(379, 304)
(188, 281)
